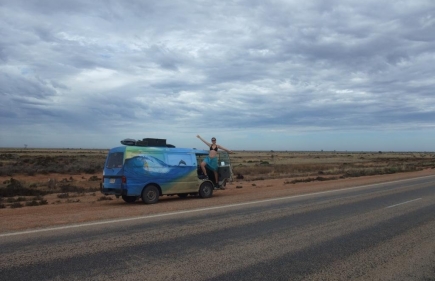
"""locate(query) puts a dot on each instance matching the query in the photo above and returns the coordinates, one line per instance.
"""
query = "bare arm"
(227, 150)
(207, 143)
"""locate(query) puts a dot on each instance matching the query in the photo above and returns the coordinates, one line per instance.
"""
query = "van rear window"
(115, 160)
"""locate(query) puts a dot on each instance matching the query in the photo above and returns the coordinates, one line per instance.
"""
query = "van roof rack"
(147, 142)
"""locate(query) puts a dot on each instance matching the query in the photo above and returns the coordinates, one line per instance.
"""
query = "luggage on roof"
(128, 142)
(147, 142)
(151, 142)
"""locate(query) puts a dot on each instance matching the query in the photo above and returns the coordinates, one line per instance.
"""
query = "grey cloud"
(17, 86)
(192, 65)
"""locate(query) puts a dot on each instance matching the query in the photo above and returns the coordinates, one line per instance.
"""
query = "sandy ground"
(89, 207)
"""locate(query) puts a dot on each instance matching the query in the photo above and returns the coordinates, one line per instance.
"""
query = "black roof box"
(151, 142)
(147, 142)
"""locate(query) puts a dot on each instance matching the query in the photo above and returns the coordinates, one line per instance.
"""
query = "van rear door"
(112, 174)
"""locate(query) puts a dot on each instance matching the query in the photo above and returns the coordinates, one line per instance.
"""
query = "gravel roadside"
(88, 208)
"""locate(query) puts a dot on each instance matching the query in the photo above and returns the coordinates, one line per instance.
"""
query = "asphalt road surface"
(373, 232)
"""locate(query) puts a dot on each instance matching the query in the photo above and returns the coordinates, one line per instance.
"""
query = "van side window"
(175, 159)
(115, 160)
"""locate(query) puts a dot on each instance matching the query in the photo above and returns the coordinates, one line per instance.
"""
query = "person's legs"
(203, 168)
(216, 178)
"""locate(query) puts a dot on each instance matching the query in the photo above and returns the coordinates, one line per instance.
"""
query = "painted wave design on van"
(143, 165)
(154, 165)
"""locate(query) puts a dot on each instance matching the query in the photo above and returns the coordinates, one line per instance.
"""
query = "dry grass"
(267, 165)
(33, 173)
(49, 161)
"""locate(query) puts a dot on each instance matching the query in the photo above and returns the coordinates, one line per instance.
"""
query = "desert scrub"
(32, 203)
(71, 188)
(309, 180)
(252, 170)
(19, 199)
(94, 178)
(72, 200)
(32, 162)
(16, 188)
(286, 170)
(63, 195)
(103, 198)
(379, 171)
(16, 205)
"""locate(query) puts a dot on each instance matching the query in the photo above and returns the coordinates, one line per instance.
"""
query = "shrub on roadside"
(72, 201)
(62, 164)
(32, 203)
(63, 195)
(102, 198)
(15, 188)
(94, 178)
(71, 188)
(16, 205)
(43, 202)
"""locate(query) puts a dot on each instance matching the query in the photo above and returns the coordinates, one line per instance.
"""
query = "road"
(374, 232)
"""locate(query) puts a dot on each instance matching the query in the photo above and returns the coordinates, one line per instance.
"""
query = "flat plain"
(47, 187)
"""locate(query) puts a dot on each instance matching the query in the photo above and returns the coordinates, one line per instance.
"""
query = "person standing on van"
(212, 160)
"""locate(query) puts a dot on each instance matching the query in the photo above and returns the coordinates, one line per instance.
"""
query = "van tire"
(206, 189)
(129, 199)
(150, 194)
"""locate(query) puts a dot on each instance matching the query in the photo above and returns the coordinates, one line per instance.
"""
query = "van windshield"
(224, 158)
(115, 160)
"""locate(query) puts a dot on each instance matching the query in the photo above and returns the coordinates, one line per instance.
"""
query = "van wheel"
(150, 194)
(206, 189)
(129, 199)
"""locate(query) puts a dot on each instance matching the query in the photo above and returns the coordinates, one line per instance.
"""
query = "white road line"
(403, 203)
(196, 210)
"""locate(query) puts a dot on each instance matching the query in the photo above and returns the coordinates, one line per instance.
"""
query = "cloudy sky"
(256, 74)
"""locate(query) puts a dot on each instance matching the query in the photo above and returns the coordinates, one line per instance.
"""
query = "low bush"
(93, 189)
(94, 178)
(309, 180)
(16, 205)
(63, 195)
(31, 164)
(71, 188)
(72, 200)
(12, 199)
(102, 198)
(32, 203)
(16, 188)
(43, 202)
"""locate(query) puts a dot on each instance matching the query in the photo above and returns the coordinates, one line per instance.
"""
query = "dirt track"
(88, 208)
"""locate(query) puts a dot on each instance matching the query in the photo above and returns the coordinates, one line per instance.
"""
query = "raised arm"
(227, 150)
(203, 140)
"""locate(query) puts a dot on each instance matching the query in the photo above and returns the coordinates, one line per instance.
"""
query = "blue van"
(149, 169)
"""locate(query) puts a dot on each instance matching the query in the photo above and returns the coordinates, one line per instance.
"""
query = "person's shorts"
(212, 163)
